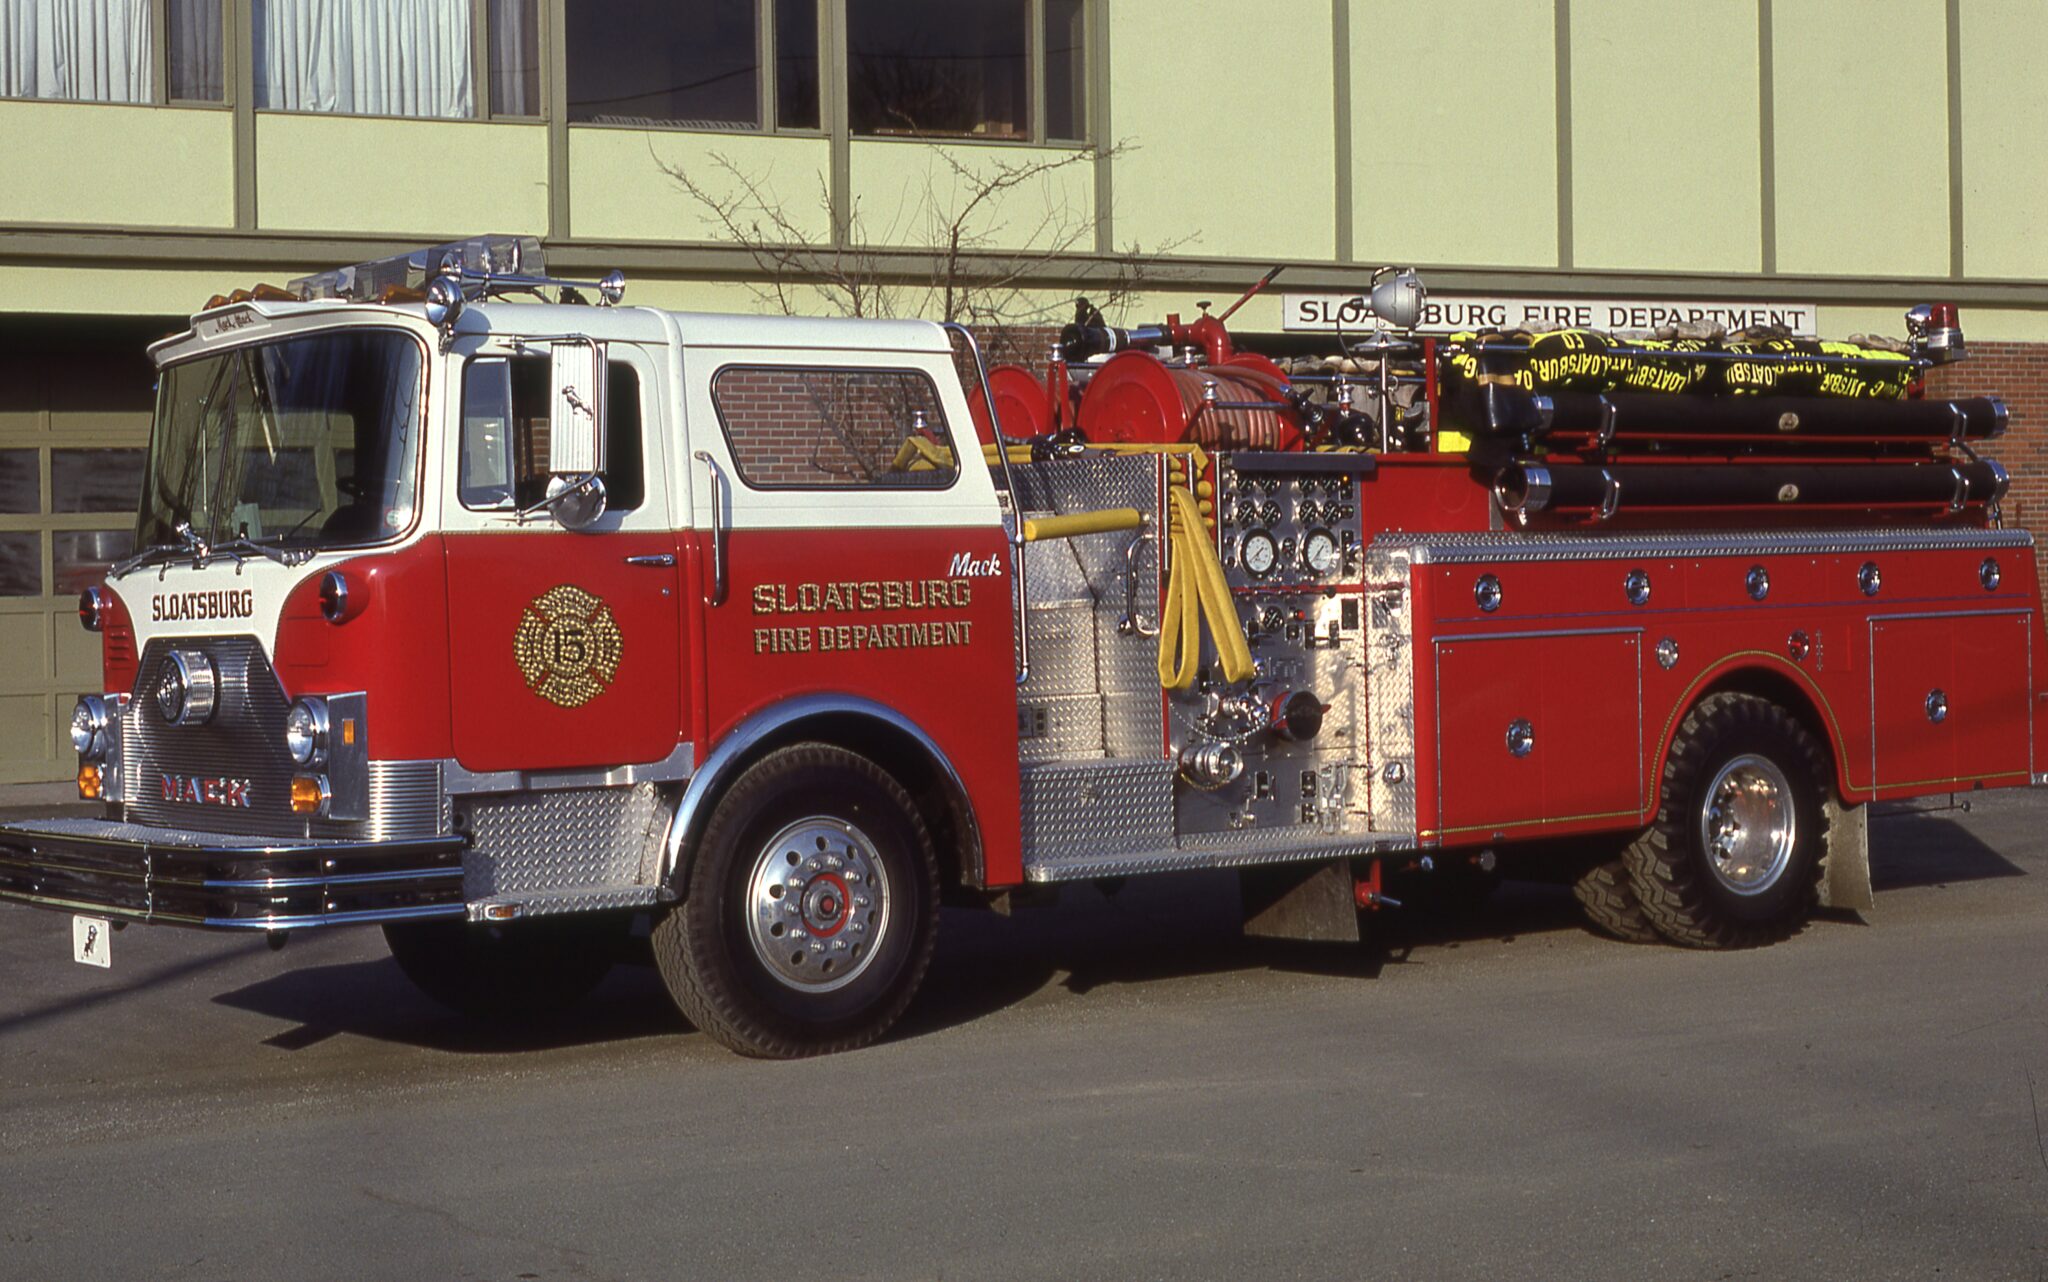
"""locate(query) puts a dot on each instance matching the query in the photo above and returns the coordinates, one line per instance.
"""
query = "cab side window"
(816, 428)
(504, 456)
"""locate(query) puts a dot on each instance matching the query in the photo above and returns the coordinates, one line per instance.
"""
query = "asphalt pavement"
(1114, 1087)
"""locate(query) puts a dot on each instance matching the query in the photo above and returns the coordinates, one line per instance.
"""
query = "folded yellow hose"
(1194, 588)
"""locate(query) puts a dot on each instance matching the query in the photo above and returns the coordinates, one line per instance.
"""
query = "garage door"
(74, 418)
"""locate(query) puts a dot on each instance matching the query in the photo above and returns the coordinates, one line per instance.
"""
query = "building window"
(81, 50)
(1066, 71)
(360, 57)
(965, 68)
(193, 70)
(697, 64)
(514, 58)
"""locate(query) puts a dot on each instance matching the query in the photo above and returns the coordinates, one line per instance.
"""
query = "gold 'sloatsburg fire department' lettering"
(231, 603)
(854, 597)
(864, 636)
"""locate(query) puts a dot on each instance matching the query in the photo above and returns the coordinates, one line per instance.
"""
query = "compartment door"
(1578, 697)
(1949, 699)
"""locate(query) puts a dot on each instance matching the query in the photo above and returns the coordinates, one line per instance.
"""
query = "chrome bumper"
(144, 873)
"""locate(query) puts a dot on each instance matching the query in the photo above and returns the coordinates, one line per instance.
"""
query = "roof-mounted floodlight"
(1397, 295)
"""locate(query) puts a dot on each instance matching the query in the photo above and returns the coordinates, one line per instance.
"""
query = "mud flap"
(1845, 867)
(1300, 901)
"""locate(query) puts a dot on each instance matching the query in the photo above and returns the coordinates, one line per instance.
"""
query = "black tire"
(1769, 768)
(1610, 905)
(865, 869)
(518, 970)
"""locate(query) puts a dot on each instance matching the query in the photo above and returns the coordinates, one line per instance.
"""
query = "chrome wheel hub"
(817, 904)
(1747, 825)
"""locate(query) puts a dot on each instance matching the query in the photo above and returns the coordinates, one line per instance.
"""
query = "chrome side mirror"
(576, 501)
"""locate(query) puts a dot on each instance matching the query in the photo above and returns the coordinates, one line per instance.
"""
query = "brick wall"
(2016, 373)
(822, 427)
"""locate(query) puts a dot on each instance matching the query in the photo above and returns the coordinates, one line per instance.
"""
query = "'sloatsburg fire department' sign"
(1455, 313)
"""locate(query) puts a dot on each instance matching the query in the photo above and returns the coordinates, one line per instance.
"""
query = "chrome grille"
(245, 740)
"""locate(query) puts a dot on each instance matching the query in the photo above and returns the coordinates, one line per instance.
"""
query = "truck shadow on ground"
(1180, 927)
(1929, 848)
(1150, 931)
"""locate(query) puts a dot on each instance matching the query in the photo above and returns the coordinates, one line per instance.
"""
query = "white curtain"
(367, 57)
(90, 50)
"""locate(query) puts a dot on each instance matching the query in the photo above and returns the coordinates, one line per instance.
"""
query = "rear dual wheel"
(810, 910)
(1734, 857)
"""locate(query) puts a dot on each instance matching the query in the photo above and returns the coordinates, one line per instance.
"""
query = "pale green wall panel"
(399, 177)
(90, 163)
(1454, 132)
(1232, 111)
(1665, 135)
(2005, 139)
(1980, 324)
(1040, 199)
(123, 290)
(1862, 136)
(621, 187)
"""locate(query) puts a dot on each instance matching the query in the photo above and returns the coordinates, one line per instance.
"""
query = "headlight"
(305, 731)
(89, 723)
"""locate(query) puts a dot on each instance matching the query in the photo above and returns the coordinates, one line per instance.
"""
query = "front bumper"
(144, 873)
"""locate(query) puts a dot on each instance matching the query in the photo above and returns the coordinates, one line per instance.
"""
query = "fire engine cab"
(471, 602)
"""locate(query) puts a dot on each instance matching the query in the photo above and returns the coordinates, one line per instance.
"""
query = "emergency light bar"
(480, 257)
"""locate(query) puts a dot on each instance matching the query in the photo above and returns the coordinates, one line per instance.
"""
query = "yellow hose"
(1194, 588)
(1066, 527)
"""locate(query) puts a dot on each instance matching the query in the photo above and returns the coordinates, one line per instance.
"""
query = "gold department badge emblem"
(567, 646)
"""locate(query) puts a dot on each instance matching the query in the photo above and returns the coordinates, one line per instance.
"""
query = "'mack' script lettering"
(966, 566)
(870, 595)
(235, 603)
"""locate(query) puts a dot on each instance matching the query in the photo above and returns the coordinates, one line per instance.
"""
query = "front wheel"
(1734, 857)
(810, 909)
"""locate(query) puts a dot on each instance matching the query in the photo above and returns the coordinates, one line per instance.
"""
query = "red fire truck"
(470, 602)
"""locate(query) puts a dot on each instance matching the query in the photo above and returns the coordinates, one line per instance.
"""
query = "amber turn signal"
(309, 794)
(89, 782)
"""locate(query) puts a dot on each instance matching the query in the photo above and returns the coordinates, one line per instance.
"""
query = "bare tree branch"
(982, 248)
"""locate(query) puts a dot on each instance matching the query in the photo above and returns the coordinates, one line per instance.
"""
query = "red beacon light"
(1937, 334)
(92, 609)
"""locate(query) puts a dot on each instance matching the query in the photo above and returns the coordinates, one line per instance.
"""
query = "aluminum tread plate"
(569, 840)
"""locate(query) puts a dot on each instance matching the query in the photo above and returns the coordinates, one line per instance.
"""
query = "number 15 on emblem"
(91, 942)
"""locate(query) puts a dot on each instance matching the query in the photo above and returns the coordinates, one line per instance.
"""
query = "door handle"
(718, 515)
(661, 559)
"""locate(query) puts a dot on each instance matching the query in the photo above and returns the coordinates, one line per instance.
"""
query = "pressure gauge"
(1258, 553)
(1319, 551)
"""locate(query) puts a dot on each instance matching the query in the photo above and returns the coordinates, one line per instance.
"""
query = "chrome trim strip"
(691, 814)
(340, 879)
(457, 781)
(363, 917)
(1453, 549)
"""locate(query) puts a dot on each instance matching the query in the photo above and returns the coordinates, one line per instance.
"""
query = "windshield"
(307, 442)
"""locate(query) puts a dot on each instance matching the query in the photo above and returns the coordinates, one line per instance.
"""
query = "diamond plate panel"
(568, 840)
(1062, 650)
(1390, 696)
(1092, 809)
(554, 902)
(1073, 728)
